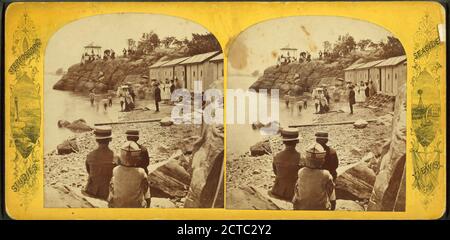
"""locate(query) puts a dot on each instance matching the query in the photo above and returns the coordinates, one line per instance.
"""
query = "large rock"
(60, 196)
(206, 189)
(388, 192)
(79, 125)
(67, 147)
(167, 121)
(168, 179)
(356, 183)
(360, 123)
(260, 148)
(348, 205)
(248, 198)
(161, 203)
(63, 123)
(187, 144)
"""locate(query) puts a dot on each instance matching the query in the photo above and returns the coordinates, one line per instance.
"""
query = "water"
(240, 137)
(65, 105)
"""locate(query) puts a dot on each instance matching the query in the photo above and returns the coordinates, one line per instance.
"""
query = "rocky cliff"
(101, 75)
(300, 77)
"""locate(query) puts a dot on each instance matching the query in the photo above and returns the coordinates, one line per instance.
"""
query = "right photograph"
(316, 116)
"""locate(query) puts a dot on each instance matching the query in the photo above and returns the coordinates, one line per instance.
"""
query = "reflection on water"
(241, 136)
(64, 105)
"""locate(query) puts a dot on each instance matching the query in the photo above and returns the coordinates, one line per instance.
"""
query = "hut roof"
(199, 58)
(393, 61)
(353, 66)
(158, 64)
(217, 58)
(369, 64)
(175, 62)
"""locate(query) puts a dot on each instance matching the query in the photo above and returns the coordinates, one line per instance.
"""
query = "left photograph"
(115, 89)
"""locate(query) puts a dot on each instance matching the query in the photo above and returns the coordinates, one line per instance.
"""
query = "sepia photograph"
(327, 130)
(114, 85)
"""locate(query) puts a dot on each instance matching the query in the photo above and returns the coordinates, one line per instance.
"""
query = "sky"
(257, 46)
(110, 31)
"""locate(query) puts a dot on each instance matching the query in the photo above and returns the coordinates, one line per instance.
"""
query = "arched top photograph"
(335, 87)
(112, 88)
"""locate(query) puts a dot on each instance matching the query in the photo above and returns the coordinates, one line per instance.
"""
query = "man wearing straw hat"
(129, 186)
(286, 165)
(331, 159)
(99, 165)
(144, 161)
(315, 187)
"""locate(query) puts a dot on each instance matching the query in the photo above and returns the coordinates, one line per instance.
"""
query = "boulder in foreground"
(168, 180)
(67, 147)
(248, 198)
(206, 188)
(260, 148)
(355, 183)
(348, 205)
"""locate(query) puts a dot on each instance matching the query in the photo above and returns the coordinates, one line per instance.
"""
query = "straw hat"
(322, 135)
(130, 154)
(289, 134)
(103, 132)
(315, 156)
(132, 133)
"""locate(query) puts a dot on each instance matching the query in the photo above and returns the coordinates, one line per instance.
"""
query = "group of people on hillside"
(87, 58)
(309, 183)
(120, 179)
(90, 57)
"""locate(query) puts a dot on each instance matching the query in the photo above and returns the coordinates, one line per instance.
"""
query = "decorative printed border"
(426, 139)
(25, 110)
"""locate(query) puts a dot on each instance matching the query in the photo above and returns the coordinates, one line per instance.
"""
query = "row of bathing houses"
(206, 67)
(387, 75)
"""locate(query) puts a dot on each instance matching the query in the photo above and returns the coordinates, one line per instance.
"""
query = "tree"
(363, 43)
(327, 47)
(203, 43)
(392, 48)
(167, 41)
(343, 46)
(148, 43)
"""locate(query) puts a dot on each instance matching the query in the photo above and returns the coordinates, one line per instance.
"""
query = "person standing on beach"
(367, 91)
(105, 104)
(92, 97)
(99, 165)
(351, 98)
(157, 96)
(286, 165)
(129, 186)
(144, 161)
(110, 100)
